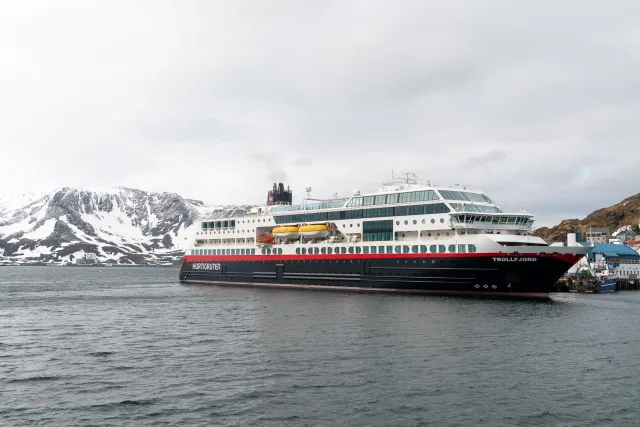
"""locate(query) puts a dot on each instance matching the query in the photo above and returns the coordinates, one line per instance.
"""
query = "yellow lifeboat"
(286, 231)
(314, 230)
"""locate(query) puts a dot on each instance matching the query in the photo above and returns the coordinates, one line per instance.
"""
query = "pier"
(628, 285)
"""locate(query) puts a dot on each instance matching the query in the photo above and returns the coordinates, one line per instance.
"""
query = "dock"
(628, 285)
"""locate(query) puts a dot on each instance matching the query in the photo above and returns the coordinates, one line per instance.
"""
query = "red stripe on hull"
(528, 295)
(569, 258)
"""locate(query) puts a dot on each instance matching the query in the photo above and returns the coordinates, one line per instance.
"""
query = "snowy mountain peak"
(119, 225)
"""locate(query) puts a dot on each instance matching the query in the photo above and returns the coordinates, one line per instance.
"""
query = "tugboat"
(405, 237)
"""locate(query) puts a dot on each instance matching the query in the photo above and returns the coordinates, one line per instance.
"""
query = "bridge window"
(303, 251)
(462, 248)
(351, 250)
(380, 249)
(414, 249)
(398, 249)
(405, 249)
(472, 248)
(452, 249)
(358, 249)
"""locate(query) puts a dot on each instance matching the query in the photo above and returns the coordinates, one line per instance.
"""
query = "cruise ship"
(406, 237)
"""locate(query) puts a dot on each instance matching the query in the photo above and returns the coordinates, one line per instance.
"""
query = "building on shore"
(626, 235)
(597, 235)
(87, 259)
(623, 262)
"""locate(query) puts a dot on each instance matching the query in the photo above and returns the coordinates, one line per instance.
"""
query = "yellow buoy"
(101, 271)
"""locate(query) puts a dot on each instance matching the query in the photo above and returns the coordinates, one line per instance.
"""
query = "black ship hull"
(493, 275)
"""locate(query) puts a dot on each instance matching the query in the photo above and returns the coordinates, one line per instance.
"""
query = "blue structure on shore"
(622, 261)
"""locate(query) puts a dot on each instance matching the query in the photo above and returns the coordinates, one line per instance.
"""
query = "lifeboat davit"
(286, 232)
(314, 230)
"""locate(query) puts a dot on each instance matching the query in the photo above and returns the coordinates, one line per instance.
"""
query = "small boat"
(286, 231)
(314, 230)
(265, 239)
(605, 285)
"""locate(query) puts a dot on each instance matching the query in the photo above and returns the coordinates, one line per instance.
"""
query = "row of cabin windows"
(270, 251)
(466, 207)
(433, 208)
(219, 224)
(464, 195)
(231, 223)
(378, 237)
(494, 220)
(415, 249)
(378, 226)
(386, 199)
(224, 251)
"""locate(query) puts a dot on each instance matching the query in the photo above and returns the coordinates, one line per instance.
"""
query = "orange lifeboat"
(263, 238)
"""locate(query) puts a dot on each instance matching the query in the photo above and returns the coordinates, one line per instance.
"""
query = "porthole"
(442, 220)
(358, 224)
(433, 221)
(415, 222)
(406, 222)
(350, 225)
(424, 221)
(397, 222)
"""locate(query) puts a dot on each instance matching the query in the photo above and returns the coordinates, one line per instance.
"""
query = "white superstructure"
(401, 217)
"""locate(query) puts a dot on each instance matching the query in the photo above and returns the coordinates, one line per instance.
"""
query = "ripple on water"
(132, 347)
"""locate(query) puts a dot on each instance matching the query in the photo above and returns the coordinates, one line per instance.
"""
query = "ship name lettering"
(515, 259)
(206, 266)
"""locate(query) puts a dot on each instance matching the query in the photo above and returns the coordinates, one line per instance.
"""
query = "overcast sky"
(537, 103)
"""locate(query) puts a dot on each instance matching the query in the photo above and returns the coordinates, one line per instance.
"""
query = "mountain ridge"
(624, 213)
(120, 225)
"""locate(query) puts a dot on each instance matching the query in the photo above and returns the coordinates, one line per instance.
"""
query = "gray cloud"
(216, 100)
(484, 160)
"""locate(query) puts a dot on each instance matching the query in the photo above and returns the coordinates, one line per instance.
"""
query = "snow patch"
(45, 230)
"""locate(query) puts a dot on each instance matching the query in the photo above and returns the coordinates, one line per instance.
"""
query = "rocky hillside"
(627, 212)
(119, 226)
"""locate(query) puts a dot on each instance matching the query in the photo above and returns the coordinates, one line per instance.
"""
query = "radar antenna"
(407, 177)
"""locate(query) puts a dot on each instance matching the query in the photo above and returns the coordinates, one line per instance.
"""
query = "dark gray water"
(130, 346)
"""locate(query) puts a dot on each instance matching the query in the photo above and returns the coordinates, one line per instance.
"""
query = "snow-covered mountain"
(118, 225)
